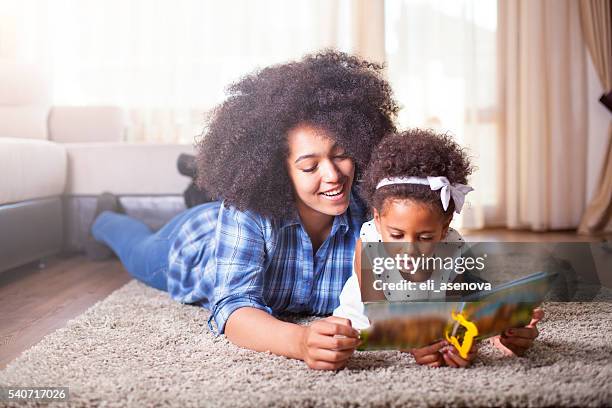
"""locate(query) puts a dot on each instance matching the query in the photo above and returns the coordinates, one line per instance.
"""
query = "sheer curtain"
(442, 65)
(166, 62)
(596, 19)
(544, 123)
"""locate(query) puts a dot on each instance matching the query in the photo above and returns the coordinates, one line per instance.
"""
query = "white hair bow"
(447, 190)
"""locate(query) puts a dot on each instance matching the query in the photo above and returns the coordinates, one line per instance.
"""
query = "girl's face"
(320, 171)
(408, 221)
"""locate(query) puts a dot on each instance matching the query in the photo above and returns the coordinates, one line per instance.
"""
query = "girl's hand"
(429, 355)
(327, 344)
(453, 359)
(441, 353)
(515, 342)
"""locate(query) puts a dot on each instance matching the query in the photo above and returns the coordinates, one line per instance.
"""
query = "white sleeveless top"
(351, 306)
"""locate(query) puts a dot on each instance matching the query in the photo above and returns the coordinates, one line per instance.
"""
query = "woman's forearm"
(257, 330)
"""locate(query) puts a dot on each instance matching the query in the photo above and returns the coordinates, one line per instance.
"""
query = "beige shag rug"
(139, 348)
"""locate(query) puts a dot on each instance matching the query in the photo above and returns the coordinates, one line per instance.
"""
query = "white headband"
(456, 191)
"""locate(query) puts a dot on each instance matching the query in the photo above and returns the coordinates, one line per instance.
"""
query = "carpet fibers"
(140, 348)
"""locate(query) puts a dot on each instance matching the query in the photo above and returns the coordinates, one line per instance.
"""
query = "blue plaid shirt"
(224, 259)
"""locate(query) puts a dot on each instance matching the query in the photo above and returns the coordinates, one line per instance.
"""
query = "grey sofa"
(55, 160)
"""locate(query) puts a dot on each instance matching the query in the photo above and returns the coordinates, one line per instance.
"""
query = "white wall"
(598, 121)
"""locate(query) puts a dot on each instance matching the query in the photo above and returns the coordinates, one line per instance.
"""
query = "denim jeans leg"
(143, 252)
(133, 242)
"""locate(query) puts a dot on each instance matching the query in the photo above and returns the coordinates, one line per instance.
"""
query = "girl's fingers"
(431, 349)
(516, 350)
(497, 342)
(517, 342)
(429, 358)
(538, 314)
(522, 332)
(436, 364)
(449, 361)
(507, 347)
(459, 361)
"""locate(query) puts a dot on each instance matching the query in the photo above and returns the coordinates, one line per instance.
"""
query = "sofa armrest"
(79, 124)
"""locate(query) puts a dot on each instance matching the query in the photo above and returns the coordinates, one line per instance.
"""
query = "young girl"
(416, 180)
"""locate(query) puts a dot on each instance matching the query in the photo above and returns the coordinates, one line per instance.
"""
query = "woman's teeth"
(333, 193)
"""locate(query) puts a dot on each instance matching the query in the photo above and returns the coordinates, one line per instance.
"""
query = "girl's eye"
(397, 236)
(426, 238)
(341, 156)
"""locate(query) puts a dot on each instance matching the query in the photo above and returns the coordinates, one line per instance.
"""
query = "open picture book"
(406, 325)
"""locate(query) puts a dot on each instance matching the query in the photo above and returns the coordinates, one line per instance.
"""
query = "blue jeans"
(144, 253)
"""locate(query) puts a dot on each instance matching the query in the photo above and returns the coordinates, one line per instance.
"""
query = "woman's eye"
(426, 238)
(310, 169)
(397, 236)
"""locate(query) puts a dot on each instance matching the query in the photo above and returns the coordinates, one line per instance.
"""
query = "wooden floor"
(36, 301)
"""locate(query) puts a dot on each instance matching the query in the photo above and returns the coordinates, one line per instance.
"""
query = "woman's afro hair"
(243, 149)
(414, 153)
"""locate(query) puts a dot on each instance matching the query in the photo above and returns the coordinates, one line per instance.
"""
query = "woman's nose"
(330, 173)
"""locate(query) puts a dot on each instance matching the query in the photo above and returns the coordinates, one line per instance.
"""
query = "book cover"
(406, 325)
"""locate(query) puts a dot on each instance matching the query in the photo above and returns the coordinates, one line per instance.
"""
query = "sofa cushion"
(28, 122)
(31, 169)
(124, 168)
(76, 124)
(24, 101)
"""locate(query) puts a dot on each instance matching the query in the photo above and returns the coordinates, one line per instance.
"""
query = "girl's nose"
(411, 248)
(415, 249)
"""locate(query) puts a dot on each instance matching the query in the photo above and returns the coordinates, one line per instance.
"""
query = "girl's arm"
(325, 344)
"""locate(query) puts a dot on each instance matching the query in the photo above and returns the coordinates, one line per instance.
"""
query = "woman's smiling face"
(320, 172)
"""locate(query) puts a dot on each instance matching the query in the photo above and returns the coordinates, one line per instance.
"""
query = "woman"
(282, 152)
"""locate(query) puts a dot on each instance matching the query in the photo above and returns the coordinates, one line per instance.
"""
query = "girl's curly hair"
(242, 151)
(415, 153)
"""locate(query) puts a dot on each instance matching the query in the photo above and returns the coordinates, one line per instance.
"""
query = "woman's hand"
(515, 342)
(327, 344)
